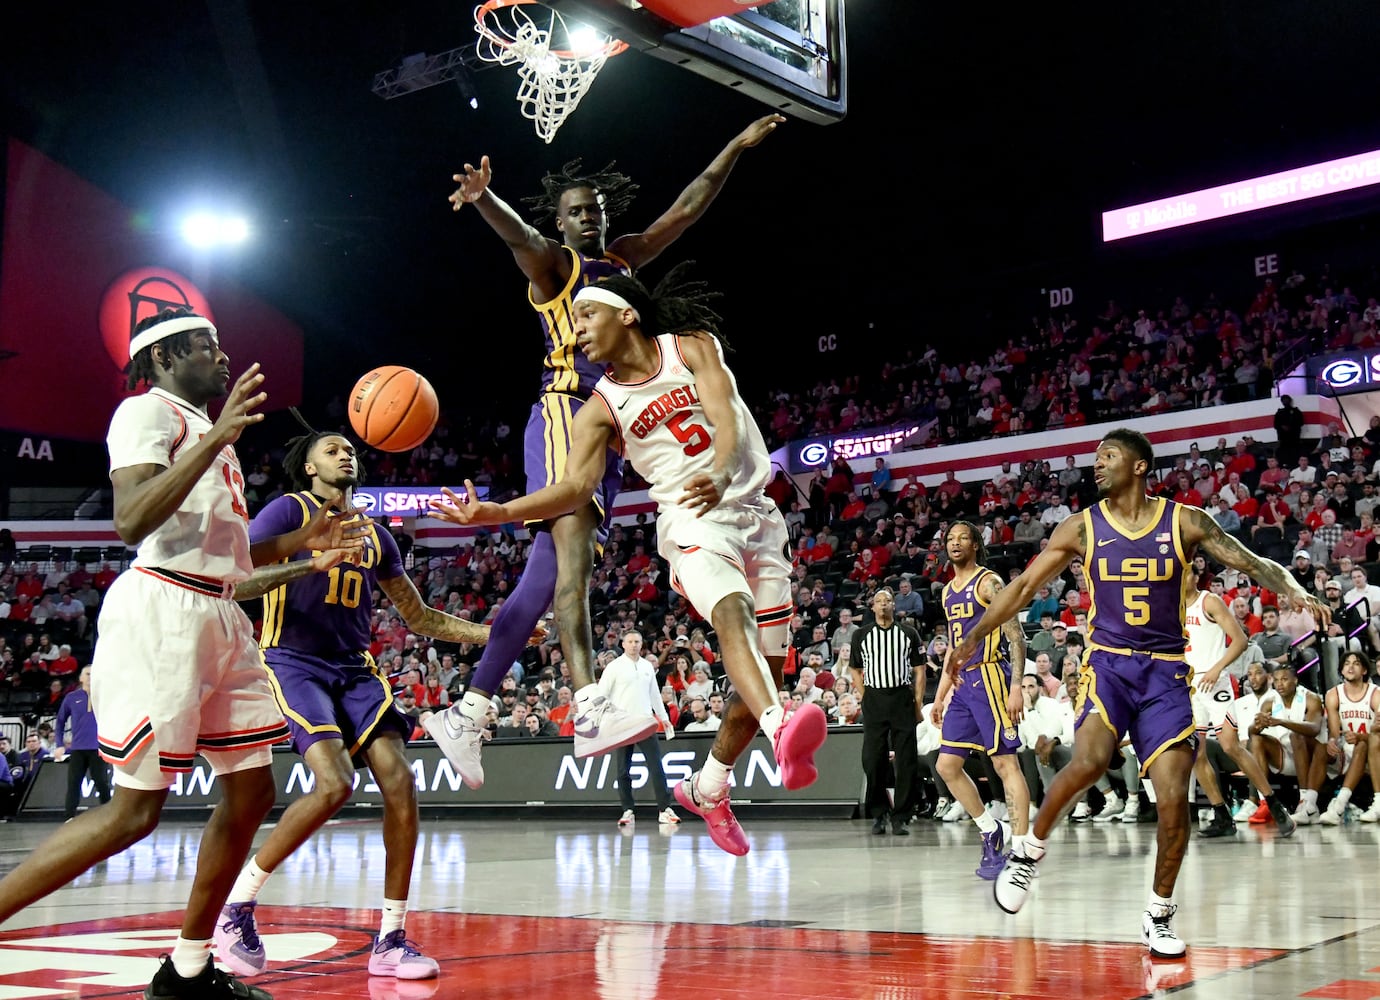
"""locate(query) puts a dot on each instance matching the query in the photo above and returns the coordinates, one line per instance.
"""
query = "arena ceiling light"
(205, 230)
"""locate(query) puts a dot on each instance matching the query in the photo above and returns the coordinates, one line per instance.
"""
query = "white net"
(555, 65)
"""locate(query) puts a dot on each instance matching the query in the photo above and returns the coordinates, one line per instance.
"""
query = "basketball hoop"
(553, 79)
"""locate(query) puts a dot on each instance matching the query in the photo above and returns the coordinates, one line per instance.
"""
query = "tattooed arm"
(1201, 532)
(988, 590)
(275, 575)
(1066, 542)
(428, 621)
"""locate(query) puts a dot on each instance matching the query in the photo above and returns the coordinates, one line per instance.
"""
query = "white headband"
(597, 294)
(167, 328)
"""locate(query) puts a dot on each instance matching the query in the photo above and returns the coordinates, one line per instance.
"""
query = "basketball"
(393, 408)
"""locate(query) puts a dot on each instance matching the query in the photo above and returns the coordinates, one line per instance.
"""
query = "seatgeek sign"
(1344, 373)
(404, 501)
(814, 453)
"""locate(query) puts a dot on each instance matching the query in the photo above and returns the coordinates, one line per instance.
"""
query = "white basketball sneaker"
(602, 726)
(1157, 934)
(458, 737)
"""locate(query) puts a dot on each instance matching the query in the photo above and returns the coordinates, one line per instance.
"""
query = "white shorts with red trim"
(176, 672)
(742, 549)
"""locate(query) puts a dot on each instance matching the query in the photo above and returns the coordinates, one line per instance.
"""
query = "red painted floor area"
(521, 958)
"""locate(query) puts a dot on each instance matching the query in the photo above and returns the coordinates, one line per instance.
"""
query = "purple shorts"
(546, 443)
(344, 698)
(976, 718)
(1136, 694)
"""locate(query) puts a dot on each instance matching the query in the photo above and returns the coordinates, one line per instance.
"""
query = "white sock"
(394, 915)
(1159, 905)
(189, 958)
(474, 706)
(1342, 800)
(714, 777)
(250, 881)
(1031, 846)
(1310, 798)
(586, 695)
(985, 822)
(771, 721)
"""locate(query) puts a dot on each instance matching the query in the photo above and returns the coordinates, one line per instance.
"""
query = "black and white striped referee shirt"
(887, 656)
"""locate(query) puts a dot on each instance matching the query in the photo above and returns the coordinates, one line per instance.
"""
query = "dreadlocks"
(615, 190)
(140, 369)
(298, 448)
(676, 305)
(975, 533)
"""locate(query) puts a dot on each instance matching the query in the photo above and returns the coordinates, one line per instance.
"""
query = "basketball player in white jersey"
(672, 407)
(1284, 738)
(1353, 707)
(176, 670)
(1215, 641)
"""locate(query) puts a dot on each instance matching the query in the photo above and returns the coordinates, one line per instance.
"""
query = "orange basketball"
(393, 408)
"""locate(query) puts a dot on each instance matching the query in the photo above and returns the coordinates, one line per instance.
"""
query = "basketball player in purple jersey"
(338, 703)
(986, 708)
(561, 560)
(1135, 550)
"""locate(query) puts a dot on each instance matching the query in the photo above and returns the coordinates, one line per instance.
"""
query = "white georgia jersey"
(663, 432)
(208, 534)
(1356, 716)
(1206, 639)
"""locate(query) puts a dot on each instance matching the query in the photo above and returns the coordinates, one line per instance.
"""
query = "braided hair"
(141, 368)
(975, 533)
(299, 447)
(615, 190)
(676, 305)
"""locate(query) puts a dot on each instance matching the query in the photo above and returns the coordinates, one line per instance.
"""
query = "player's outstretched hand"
(1317, 606)
(1209, 681)
(758, 130)
(703, 492)
(468, 509)
(472, 183)
(961, 653)
(238, 411)
(329, 529)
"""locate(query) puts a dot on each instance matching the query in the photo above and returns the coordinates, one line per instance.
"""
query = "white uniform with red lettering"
(1355, 716)
(176, 669)
(1273, 704)
(741, 546)
(1206, 643)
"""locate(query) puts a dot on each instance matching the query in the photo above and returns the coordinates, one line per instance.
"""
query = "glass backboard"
(789, 54)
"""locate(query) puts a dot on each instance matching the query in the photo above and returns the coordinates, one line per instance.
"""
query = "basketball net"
(551, 80)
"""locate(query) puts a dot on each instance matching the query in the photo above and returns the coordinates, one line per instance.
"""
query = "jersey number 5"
(693, 436)
(1137, 601)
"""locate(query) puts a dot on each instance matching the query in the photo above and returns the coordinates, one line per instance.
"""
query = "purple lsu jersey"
(1136, 581)
(565, 368)
(962, 609)
(322, 613)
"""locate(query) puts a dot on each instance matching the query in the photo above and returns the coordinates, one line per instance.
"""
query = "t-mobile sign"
(1299, 184)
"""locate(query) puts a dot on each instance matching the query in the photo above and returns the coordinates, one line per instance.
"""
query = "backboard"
(789, 54)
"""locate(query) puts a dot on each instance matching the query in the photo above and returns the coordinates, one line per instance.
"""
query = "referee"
(882, 658)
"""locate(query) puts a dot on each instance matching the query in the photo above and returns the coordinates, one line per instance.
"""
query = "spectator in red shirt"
(637, 562)
(65, 665)
(1242, 462)
(1185, 493)
(853, 508)
(950, 487)
(1274, 477)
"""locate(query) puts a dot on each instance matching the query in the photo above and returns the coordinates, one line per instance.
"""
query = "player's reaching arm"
(717, 395)
(1066, 542)
(425, 620)
(591, 436)
(1217, 612)
(545, 262)
(271, 577)
(1200, 531)
(326, 530)
(988, 590)
(639, 249)
(147, 495)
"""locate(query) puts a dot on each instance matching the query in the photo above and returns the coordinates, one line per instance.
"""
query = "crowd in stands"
(856, 530)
